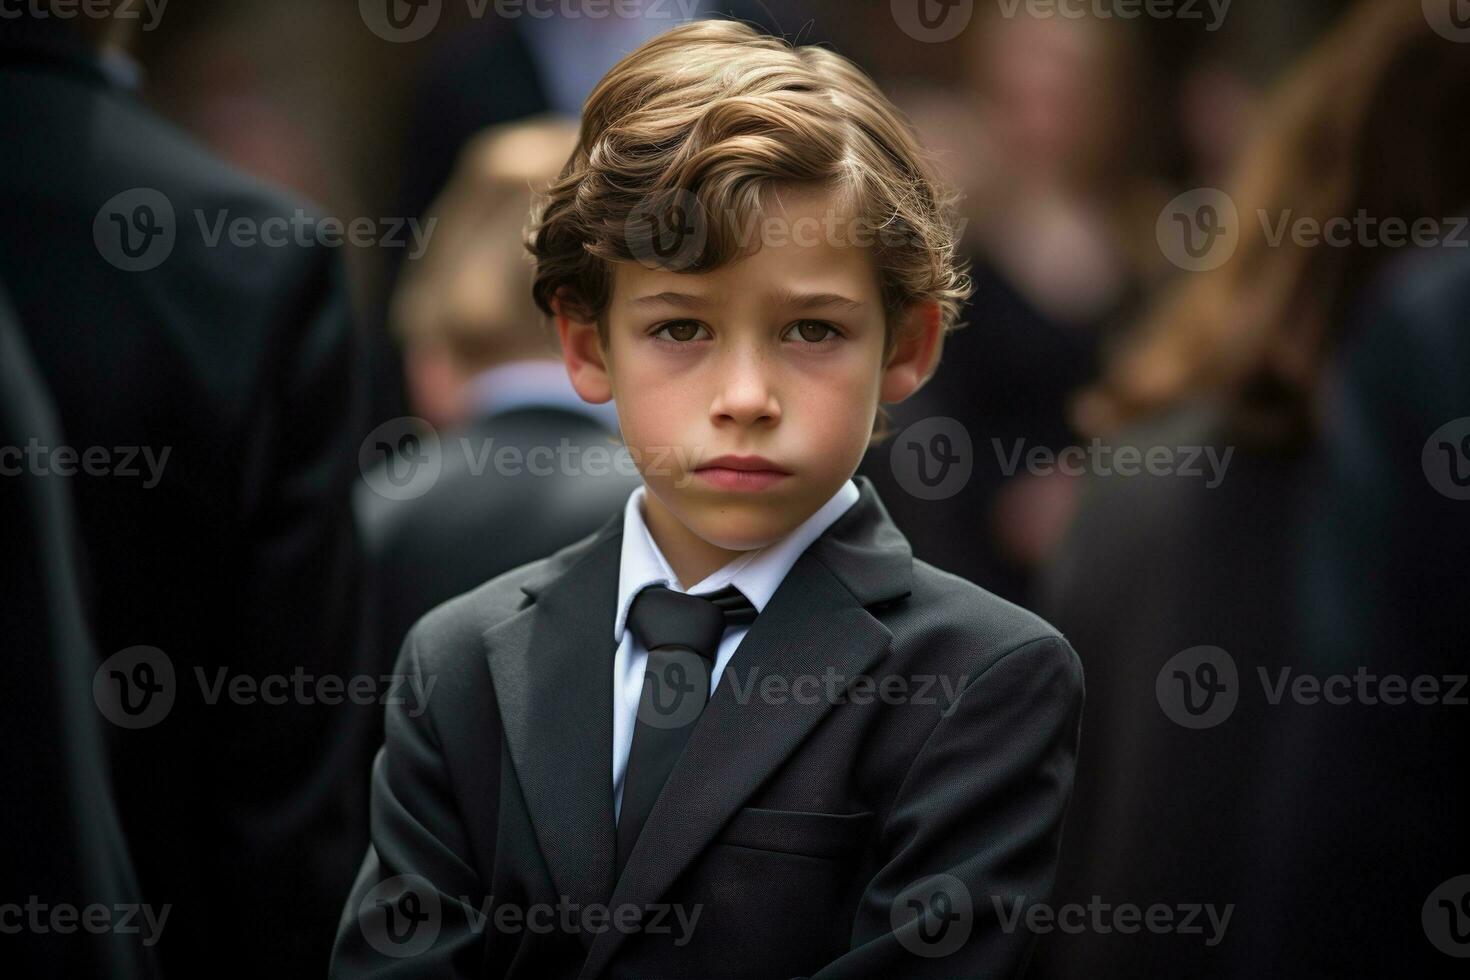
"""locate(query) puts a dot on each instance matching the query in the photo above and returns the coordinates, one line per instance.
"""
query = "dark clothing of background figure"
(1370, 800)
(239, 362)
(1006, 378)
(476, 522)
(64, 843)
(1328, 825)
(1152, 566)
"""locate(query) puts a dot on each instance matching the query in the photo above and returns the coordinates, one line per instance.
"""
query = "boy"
(739, 731)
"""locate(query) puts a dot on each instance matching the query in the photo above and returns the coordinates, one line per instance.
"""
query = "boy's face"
(777, 355)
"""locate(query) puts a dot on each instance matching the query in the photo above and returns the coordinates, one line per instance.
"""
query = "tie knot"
(661, 617)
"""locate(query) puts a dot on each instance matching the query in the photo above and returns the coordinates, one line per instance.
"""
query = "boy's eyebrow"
(802, 301)
(668, 298)
(818, 301)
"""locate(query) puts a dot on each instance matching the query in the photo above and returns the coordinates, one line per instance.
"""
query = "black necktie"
(682, 634)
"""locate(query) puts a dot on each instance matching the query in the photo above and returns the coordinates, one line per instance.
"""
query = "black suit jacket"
(477, 522)
(241, 363)
(797, 827)
(65, 843)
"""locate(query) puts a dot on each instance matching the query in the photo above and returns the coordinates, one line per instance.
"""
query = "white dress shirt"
(757, 574)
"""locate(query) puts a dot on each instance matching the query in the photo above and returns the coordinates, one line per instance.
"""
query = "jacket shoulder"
(962, 626)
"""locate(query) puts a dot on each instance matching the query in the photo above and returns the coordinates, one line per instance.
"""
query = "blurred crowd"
(1209, 414)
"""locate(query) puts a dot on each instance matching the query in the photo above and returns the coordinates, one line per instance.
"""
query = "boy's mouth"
(741, 472)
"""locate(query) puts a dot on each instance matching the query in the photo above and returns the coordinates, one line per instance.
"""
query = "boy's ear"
(581, 350)
(915, 354)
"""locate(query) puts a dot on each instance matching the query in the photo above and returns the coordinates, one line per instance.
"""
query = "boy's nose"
(745, 395)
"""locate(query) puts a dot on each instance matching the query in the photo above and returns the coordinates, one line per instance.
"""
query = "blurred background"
(1209, 414)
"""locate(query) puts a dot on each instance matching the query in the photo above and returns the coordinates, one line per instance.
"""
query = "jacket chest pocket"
(807, 833)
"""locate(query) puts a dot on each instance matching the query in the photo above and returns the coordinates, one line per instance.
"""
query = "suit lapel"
(817, 619)
(552, 665)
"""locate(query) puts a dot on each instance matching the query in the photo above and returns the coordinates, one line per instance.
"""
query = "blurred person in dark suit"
(1369, 797)
(1322, 826)
(497, 71)
(1383, 575)
(1044, 138)
(64, 844)
(219, 377)
(527, 466)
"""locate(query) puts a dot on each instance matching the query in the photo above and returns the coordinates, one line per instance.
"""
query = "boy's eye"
(680, 331)
(815, 331)
(809, 331)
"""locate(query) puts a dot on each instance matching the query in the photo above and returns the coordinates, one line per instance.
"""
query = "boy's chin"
(737, 524)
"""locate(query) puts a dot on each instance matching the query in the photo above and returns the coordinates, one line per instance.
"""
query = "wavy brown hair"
(717, 115)
(1372, 121)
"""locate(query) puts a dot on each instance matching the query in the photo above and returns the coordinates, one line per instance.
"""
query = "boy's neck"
(691, 557)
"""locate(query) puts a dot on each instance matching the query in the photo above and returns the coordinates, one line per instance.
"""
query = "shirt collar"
(757, 574)
(534, 383)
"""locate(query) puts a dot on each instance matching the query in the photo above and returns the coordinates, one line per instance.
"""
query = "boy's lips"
(741, 472)
(749, 463)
